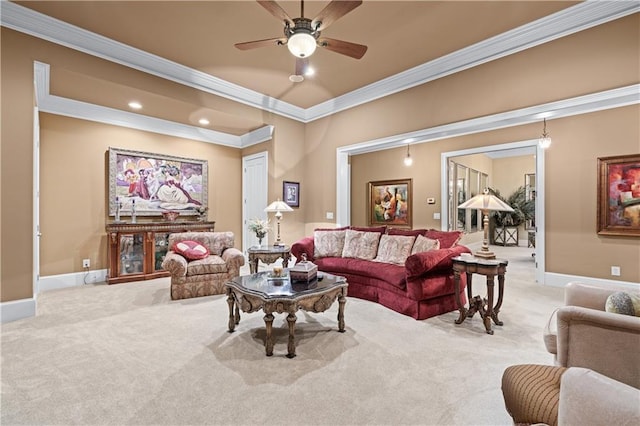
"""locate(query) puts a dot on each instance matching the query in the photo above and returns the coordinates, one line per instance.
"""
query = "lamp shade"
(301, 44)
(278, 206)
(486, 201)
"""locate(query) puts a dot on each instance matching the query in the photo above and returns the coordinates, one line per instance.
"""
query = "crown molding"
(571, 20)
(72, 108)
(614, 98)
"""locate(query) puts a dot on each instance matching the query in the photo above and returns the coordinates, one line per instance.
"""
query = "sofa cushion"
(387, 272)
(328, 242)
(209, 265)
(447, 238)
(394, 249)
(423, 243)
(623, 303)
(360, 244)
(191, 250)
(380, 229)
(409, 232)
(429, 261)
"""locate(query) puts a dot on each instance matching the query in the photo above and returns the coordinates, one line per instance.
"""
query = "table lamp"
(278, 207)
(485, 202)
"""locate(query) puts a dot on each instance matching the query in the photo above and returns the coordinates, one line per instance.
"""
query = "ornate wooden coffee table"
(260, 291)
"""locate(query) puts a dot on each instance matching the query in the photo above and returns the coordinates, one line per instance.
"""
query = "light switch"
(436, 215)
(329, 215)
(431, 200)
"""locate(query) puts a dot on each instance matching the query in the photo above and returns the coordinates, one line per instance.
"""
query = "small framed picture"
(291, 193)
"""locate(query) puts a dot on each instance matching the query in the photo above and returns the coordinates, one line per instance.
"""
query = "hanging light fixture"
(302, 44)
(545, 139)
(408, 160)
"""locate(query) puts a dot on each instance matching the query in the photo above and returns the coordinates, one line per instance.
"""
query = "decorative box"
(303, 271)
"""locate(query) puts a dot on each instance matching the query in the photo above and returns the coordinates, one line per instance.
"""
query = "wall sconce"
(545, 139)
(408, 160)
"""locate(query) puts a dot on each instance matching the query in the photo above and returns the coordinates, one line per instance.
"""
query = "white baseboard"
(17, 310)
(75, 279)
(561, 280)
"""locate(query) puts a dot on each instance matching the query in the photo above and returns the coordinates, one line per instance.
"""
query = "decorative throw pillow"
(623, 303)
(328, 243)
(447, 238)
(424, 244)
(191, 250)
(360, 244)
(394, 248)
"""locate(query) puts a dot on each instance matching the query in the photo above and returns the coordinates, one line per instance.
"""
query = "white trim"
(17, 310)
(561, 280)
(73, 279)
(85, 111)
(561, 24)
(264, 155)
(343, 185)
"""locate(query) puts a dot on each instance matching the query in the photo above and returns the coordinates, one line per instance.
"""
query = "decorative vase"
(260, 236)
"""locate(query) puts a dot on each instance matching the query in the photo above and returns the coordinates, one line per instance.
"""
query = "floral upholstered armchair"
(201, 263)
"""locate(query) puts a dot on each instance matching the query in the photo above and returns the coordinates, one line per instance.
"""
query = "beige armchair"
(203, 277)
(589, 337)
(553, 395)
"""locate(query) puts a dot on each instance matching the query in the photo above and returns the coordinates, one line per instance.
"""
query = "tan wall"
(590, 61)
(73, 191)
(508, 173)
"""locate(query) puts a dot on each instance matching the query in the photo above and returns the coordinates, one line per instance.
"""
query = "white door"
(36, 202)
(255, 177)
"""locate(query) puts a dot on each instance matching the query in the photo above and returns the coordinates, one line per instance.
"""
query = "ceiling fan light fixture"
(301, 44)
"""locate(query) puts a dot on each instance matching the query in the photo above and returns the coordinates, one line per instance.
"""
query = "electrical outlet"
(86, 263)
(615, 271)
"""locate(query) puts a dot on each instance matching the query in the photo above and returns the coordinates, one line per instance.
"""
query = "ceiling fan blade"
(301, 65)
(353, 50)
(334, 11)
(261, 43)
(275, 9)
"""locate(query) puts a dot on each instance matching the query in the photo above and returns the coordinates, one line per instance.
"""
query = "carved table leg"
(285, 260)
(456, 287)
(471, 311)
(291, 319)
(237, 317)
(489, 312)
(253, 264)
(231, 303)
(496, 309)
(268, 341)
(341, 302)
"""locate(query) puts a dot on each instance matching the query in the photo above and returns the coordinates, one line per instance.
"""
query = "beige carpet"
(127, 355)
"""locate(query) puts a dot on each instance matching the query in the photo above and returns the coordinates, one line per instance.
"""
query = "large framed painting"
(390, 203)
(619, 195)
(155, 183)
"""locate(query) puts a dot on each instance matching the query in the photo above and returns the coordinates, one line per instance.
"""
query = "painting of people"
(390, 203)
(619, 195)
(155, 183)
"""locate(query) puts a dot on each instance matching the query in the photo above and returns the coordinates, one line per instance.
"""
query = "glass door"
(131, 254)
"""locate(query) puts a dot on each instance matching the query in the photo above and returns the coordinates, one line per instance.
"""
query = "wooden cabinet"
(136, 250)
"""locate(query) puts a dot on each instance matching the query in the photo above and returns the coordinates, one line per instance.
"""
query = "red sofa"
(422, 287)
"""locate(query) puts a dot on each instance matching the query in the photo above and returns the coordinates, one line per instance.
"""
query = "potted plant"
(506, 224)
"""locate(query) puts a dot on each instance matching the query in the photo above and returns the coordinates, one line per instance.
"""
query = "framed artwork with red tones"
(619, 195)
(390, 203)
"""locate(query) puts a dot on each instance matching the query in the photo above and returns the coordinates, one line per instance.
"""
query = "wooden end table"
(259, 291)
(268, 254)
(490, 268)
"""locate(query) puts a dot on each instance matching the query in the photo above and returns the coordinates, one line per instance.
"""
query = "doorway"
(529, 147)
(255, 178)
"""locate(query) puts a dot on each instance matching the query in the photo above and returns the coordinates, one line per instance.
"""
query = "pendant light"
(408, 160)
(545, 139)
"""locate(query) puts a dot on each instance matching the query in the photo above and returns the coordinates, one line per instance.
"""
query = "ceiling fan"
(302, 35)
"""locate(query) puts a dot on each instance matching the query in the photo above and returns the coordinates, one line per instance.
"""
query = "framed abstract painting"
(390, 203)
(619, 195)
(155, 183)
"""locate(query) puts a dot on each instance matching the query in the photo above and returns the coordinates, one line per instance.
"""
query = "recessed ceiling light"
(203, 121)
(135, 105)
(296, 78)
